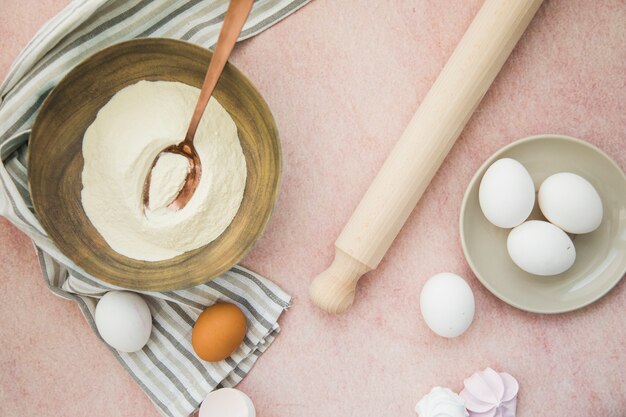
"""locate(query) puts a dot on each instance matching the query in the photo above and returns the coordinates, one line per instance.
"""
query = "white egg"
(227, 402)
(447, 304)
(570, 202)
(541, 248)
(506, 193)
(123, 320)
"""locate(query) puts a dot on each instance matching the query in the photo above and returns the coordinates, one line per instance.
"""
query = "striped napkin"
(166, 369)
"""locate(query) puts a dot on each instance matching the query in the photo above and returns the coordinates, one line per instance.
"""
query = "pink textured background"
(342, 79)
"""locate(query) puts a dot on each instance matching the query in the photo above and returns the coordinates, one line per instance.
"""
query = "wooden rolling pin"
(422, 148)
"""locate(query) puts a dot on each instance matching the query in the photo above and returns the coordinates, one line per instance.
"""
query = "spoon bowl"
(187, 150)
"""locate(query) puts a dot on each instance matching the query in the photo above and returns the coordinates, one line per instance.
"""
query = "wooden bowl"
(56, 162)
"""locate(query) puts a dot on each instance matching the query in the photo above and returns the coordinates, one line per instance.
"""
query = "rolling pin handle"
(333, 290)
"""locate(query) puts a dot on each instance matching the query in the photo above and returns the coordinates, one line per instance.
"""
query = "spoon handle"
(236, 15)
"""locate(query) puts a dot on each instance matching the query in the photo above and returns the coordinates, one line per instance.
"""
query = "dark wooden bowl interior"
(56, 162)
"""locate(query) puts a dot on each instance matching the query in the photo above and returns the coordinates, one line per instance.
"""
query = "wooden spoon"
(236, 15)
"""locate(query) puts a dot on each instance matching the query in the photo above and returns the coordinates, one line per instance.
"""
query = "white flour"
(118, 149)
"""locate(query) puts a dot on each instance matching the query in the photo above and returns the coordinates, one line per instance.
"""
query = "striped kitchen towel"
(166, 369)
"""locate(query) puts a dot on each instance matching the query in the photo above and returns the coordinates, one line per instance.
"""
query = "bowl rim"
(273, 198)
(490, 159)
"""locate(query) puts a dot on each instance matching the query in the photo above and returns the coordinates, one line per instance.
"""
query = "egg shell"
(227, 402)
(447, 304)
(123, 320)
(541, 248)
(570, 202)
(218, 332)
(507, 193)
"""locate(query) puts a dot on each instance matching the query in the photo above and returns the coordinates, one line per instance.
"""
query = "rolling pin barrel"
(422, 148)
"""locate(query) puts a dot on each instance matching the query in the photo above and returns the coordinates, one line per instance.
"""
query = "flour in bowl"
(119, 148)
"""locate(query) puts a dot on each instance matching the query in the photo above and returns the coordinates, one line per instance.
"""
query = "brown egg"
(218, 332)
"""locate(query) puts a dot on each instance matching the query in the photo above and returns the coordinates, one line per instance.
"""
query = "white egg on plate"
(507, 193)
(541, 248)
(570, 202)
(227, 402)
(123, 320)
(447, 304)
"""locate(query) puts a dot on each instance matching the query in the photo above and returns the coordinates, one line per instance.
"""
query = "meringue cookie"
(490, 394)
(441, 402)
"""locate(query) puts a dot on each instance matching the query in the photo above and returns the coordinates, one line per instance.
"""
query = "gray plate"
(600, 255)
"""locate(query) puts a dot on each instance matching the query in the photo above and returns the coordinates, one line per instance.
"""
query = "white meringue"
(441, 402)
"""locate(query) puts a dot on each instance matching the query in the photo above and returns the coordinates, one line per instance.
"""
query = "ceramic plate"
(600, 255)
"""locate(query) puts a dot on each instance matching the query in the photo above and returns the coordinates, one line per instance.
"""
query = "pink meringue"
(490, 394)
